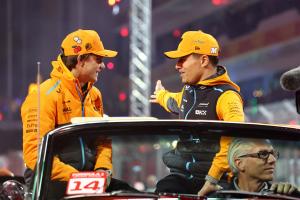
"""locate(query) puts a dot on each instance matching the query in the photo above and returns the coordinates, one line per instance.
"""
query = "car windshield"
(138, 160)
(140, 148)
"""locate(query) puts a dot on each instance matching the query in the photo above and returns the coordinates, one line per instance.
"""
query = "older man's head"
(252, 158)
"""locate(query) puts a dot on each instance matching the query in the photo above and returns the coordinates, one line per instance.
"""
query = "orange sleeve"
(60, 171)
(29, 114)
(32, 87)
(104, 145)
(98, 100)
(164, 95)
(229, 108)
(104, 154)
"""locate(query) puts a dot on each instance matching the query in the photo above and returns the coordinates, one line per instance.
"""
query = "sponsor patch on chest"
(201, 112)
(205, 105)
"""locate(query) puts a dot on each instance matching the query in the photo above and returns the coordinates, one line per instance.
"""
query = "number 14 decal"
(94, 185)
(86, 183)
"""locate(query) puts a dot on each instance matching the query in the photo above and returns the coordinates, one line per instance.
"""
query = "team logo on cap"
(199, 41)
(77, 40)
(214, 50)
(77, 48)
(88, 46)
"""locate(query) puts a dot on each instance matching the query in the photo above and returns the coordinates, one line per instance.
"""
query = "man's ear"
(79, 61)
(204, 60)
(240, 164)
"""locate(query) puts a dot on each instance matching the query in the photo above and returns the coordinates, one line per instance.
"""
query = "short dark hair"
(213, 59)
(71, 61)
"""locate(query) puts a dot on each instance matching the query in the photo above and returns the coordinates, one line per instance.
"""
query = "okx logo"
(200, 112)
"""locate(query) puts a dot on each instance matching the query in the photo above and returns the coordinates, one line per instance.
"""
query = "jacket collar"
(219, 78)
(263, 188)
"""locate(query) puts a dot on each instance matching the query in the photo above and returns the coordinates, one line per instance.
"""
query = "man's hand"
(109, 175)
(283, 188)
(5, 172)
(158, 87)
(208, 187)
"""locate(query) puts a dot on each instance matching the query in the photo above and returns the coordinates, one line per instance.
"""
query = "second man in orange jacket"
(197, 165)
(69, 93)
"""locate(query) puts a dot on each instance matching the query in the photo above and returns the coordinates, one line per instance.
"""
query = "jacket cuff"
(215, 173)
(211, 180)
(108, 171)
(160, 96)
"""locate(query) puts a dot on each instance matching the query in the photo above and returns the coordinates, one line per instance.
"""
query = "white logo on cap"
(77, 39)
(214, 50)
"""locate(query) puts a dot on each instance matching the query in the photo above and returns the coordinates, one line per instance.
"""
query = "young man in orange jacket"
(208, 94)
(69, 93)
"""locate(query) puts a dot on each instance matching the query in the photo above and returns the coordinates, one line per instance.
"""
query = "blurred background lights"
(176, 33)
(136, 168)
(111, 2)
(156, 146)
(139, 186)
(1, 116)
(110, 65)
(174, 143)
(220, 2)
(293, 122)
(116, 9)
(122, 96)
(168, 144)
(124, 32)
(258, 93)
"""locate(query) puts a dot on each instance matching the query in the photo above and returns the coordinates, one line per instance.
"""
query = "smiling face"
(257, 168)
(90, 68)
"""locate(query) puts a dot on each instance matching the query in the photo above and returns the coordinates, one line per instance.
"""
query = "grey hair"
(241, 146)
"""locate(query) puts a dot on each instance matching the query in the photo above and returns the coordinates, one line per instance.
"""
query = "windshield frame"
(159, 127)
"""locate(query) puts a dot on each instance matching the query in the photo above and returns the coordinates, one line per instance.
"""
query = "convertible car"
(138, 146)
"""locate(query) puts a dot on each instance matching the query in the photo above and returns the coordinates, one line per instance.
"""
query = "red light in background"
(219, 2)
(1, 116)
(110, 65)
(216, 2)
(124, 32)
(293, 122)
(118, 1)
(176, 33)
(142, 148)
(122, 96)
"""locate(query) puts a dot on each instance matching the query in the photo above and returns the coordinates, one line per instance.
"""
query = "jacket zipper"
(195, 98)
(80, 138)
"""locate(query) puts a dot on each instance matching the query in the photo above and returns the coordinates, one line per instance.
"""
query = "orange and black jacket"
(216, 98)
(62, 98)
